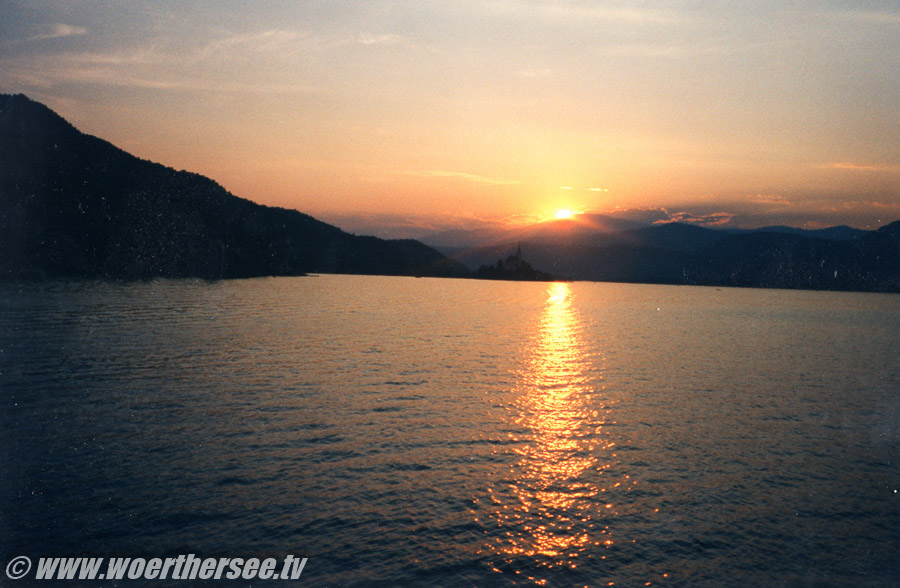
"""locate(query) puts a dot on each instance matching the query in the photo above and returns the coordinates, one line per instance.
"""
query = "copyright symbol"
(18, 567)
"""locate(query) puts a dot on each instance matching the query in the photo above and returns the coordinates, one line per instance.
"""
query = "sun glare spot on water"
(564, 213)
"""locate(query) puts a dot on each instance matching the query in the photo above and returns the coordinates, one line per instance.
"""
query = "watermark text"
(182, 567)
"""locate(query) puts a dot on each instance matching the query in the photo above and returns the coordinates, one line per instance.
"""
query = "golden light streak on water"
(549, 511)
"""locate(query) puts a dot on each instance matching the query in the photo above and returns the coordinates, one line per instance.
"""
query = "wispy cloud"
(661, 216)
(383, 39)
(709, 220)
(59, 30)
(474, 178)
(160, 67)
(582, 11)
(126, 58)
(285, 43)
(124, 72)
(862, 167)
(769, 199)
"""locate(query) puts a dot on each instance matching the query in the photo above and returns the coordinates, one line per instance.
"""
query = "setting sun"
(564, 213)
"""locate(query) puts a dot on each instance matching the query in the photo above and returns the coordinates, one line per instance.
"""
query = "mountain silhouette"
(73, 205)
(838, 258)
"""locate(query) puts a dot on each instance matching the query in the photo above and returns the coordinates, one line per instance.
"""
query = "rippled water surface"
(401, 431)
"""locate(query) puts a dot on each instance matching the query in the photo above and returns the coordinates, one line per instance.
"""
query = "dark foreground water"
(456, 433)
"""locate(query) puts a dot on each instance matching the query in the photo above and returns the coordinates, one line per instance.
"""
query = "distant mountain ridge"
(838, 233)
(73, 205)
(836, 258)
(594, 225)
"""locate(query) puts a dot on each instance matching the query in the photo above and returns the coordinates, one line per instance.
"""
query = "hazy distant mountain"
(74, 205)
(584, 225)
(840, 258)
(839, 233)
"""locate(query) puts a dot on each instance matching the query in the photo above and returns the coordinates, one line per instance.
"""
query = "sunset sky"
(454, 112)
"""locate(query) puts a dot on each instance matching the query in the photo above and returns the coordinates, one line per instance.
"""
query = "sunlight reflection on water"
(550, 511)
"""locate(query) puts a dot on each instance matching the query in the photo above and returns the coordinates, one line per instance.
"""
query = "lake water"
(401, 431)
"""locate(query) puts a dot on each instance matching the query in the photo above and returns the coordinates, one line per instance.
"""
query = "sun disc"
(564, 213)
